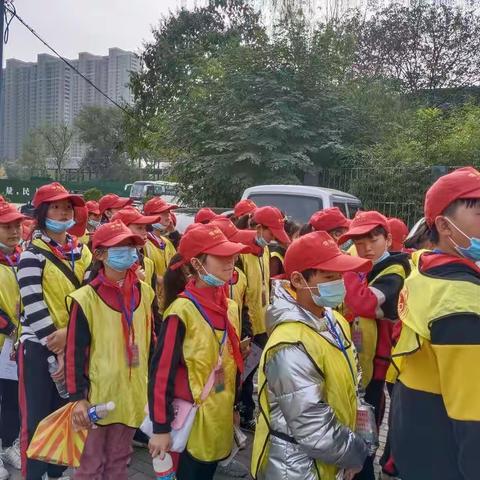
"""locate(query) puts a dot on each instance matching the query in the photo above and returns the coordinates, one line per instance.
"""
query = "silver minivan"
(301, 201)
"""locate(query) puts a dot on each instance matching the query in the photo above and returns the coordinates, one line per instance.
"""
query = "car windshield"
(138, 190)
(299, 207)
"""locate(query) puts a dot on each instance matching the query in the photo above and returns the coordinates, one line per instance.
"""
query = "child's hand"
(351, 472)
(80, 419)
(159, 444)
(57, 340)
(59, 375)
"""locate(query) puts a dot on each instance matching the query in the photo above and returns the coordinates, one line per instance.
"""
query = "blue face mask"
(56, 226)
(210, 279)
(382, 258)
(94, 224)
(473, 251)
(159, 226)
(330, 294)
(121, 258)
(261, 242)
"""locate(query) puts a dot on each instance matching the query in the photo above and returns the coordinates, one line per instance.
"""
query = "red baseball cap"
(273, 219)
(319, 251)
(111, 200)
(130, 215)
(9, 213)
(461, 183)
(173, 218)
(54, 192)
(328, 220)
(232, 232)
(207, 239)
(157, 205)
(2, 199)
(205, 215)
(363, 224)
(113, 233)
(93, 207)
(399, 233)
(244, 207)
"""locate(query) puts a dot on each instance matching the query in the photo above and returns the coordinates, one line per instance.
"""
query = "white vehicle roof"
(297, 190)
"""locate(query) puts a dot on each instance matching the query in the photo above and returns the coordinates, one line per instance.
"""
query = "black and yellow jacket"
(436, 412)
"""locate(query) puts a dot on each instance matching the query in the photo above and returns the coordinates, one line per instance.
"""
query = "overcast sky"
(73, 26)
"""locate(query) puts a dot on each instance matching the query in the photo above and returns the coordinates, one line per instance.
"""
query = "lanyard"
(333, 331)
(128, 313)
(221, 344)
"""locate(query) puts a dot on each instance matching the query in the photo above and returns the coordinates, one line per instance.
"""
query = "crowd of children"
(346, 313)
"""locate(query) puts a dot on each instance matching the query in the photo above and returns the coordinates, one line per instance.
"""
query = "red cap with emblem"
(232, 232)
(244, 207)
(206, 239)
(273, 219)
(54, 192)
(114, 233)
(319, 251)
(205, 215)
(9, 213)
(363, 224)
(399, 233)
(112, 200)
(93, 207)
(157, 205)
(461, 183)
(328, 220)
(130, 215)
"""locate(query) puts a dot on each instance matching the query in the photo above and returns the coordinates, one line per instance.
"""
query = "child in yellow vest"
(308, 376)
(10, 306)
(52, 267)
(199, 339)
(110, 334)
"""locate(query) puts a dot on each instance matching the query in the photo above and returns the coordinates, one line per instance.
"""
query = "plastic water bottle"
(164, 468)
(97, 412)
(52, 368)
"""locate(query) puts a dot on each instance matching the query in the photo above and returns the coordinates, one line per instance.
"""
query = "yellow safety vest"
(110, 377)
(211, 437)
(10, 300)
(257, 271)
(275, 254)
(238, 290)
(369, 332)
(339, 391)
(149, 268)
(423, 300)
(56, 286)
(161, 257)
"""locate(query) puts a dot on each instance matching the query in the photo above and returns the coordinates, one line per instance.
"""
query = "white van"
(143, 189)
(300, 201)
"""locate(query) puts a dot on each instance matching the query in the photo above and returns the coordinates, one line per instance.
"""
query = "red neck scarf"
(214, 301)
(125, 295)
(11, 259)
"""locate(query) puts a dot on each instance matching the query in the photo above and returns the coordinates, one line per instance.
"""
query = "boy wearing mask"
(371, 302)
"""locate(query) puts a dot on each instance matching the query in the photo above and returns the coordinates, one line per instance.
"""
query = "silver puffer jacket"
(297, 407)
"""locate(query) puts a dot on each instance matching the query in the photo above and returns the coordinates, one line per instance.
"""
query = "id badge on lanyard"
(357, 335)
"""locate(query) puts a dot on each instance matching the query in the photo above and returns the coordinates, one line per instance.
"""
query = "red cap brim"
(114, 241)
(345, 263)
(280, 235)
(226, 249)
(244, 236)
(94, 212)
(12, 217)
(146, 220)
(122, 202)
(77, 200)
(359, 231)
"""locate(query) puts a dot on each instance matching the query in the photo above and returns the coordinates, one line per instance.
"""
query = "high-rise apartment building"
(50, 92)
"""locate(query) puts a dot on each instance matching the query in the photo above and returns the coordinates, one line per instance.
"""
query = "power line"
(11, 9)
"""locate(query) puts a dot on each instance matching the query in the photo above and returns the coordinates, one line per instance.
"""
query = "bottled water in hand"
(97, 412)
(52, 368)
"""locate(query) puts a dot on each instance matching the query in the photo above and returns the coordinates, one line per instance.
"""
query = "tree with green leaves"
(423, 46)
(34, 153)
(102, 130)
